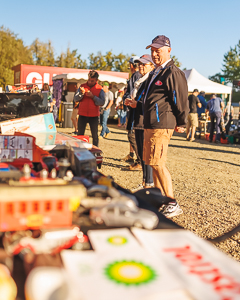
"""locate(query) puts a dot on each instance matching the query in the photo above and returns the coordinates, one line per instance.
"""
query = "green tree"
(60, 61)
(121, 63)
(216, 78)
(12, 53)
(97, 62)
(109, 61)
(231, 64)
(43, 53)
(70, 59)
(81, 63)
(176, 61)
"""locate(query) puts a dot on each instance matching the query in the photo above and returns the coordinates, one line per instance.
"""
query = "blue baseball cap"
(159, 42)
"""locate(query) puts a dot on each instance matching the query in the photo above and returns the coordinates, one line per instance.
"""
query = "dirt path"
(206, 182)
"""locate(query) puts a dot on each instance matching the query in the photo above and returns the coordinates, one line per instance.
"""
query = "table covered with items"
(69, 232)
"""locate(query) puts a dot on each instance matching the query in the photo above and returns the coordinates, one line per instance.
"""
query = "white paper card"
(206, 272)
(113, 240)
(131, 275)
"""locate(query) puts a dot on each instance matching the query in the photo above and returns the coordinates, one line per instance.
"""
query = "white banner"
(206, 272)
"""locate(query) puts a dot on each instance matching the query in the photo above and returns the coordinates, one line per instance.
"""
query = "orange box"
(26, 206)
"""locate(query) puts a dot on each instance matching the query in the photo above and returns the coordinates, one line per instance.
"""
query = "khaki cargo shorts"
(192, 120)
(155, 146)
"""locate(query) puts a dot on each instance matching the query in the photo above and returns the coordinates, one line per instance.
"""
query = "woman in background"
(122, 114)
(136, 102)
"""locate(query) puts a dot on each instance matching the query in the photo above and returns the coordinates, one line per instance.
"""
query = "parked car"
(119, 214)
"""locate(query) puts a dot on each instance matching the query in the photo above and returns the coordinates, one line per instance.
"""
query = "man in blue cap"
(165, 110)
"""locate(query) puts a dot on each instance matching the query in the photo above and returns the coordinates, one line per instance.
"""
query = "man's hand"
(127, 101)
(133, 103)
(109, 105)
(89, 94)
(179, 129)
(130, 102)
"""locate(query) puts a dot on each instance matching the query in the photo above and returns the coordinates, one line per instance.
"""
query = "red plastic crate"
(223, 141)
(207, 137)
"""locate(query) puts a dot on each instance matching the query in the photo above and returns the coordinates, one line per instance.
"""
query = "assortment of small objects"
(50, 200)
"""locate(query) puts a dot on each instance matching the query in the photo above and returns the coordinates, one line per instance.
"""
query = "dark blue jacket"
(166, 104)
(204, 105)
(135, 76)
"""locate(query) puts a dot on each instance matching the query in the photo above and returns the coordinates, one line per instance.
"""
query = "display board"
(38, 123)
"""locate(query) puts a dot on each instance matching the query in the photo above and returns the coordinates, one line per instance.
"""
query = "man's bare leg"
(156, 181)
(164, 178)
(188, 132)
(75, 124)
(193, 132)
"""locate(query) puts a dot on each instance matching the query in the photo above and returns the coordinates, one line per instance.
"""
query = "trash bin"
(67, 109)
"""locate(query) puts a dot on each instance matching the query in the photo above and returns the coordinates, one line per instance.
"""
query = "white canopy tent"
(81, 77)
(197, 81)
(71, 77)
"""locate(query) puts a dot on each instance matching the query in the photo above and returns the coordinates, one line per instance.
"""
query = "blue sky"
(201, 32)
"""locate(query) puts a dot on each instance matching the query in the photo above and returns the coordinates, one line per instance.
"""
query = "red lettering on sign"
(205, 271)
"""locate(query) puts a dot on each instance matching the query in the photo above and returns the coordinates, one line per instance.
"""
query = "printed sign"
(134, 275)
(113, 240)
(206, 272)
(38, 123)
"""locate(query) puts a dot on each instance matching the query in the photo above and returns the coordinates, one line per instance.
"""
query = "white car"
(119, 214)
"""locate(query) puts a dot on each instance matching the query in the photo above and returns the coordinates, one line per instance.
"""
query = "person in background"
(47, 97)
(228, 116)
(90, 98)
(192, 122)
(105, 111)
(215, 106)
(122, 114)
(74, 116)
(145, 67)
(165, 110)
(131, 135)
(202, 109)
(49, 101)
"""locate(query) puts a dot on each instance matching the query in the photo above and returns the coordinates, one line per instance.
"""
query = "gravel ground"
(206, 182)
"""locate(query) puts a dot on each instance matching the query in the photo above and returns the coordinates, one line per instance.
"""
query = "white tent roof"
(197, 81)
(84, 76)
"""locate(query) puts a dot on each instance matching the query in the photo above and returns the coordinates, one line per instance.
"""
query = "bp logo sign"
(130, 273)
(117, 240)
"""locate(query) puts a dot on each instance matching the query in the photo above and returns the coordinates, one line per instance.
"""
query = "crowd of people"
(220, 117)
(153, 105)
